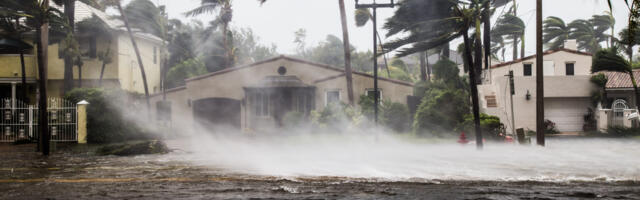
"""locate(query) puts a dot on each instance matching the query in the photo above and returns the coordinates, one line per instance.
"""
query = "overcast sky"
(275, 21)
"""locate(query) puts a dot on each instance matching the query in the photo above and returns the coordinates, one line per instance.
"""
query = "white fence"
(19, 120)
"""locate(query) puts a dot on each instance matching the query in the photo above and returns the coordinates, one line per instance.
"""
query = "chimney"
(571, 45)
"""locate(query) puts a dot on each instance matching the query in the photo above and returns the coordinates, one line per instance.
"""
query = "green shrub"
(106, 122)
(550, 127)
(441, 110)
(366, 106)
(395, 116)
(619, 131)
(489, 125)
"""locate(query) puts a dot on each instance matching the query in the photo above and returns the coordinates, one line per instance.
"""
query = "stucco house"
(122, 72)
(619, 109)
(567, 88)
(258, 95)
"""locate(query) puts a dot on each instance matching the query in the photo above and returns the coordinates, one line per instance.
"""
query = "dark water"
(72, 175)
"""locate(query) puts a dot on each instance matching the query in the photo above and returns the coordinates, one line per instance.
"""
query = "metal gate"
(19, 120)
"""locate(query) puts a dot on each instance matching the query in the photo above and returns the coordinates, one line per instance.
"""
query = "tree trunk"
(515, 47)
(423, 66)
(24, 77)
(428, 67)
(477, 62)
(474, 89)
(522, 46)
(107, 55)
(540, 127)
(79, 73)
(487, 34)
(137, 51)
(446, 51)
(69, 11)
(42, 45)
(347, 52)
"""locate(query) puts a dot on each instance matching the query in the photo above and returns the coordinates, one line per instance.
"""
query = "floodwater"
(332, 167)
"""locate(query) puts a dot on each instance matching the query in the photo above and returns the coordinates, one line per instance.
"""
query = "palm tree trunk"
(540, 127)
(137, 51)
(42, 45)
(104, 62)
(446, 51)
(487, 34)
(69, 11)
(225, 29)
(522, 46)
(515, 47)
(24, 77)
(347, 52)
(423, 66)
(428, 67)
(474, 89)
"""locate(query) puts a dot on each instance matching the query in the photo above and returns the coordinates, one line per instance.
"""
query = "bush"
(395, 116)
(335, 115)
(441, 110)
(106, 122)
(618, 131)
(489, 125)
(293, 119)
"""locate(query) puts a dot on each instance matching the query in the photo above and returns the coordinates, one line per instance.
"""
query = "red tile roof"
(619, 80)
(545, 53)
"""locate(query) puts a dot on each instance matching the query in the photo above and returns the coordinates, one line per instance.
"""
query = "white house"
(567, 90)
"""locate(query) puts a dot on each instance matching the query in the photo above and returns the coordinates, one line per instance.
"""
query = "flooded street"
(71, 175)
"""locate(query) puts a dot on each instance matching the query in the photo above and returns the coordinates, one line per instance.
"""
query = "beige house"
(567, 87)
(122, 72)
(258, 95)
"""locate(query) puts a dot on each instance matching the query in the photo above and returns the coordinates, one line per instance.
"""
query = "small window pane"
(333, 96)
(527, 70)
(570, 69)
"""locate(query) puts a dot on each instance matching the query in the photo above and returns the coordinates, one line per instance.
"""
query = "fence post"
(81, 122)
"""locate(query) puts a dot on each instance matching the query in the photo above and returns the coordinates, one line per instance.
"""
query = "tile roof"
(619, 80)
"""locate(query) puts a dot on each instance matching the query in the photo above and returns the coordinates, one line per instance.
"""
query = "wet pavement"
(68, 174)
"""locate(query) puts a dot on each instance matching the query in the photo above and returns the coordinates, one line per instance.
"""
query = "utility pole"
(376, 91)
(539, 77)
(512, 89)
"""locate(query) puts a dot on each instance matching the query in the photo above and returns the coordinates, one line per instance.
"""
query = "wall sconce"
(527, 96)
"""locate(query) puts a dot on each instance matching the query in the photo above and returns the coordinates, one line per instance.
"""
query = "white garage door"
(567, 113)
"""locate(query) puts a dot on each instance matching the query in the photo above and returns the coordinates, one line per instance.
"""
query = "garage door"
(567, 113)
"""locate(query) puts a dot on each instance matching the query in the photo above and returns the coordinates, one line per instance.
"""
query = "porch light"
(528, 96)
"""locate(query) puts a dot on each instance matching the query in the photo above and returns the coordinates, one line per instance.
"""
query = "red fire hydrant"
(463, 138)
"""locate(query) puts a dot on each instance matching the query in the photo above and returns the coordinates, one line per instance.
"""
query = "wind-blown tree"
(454, 19)
(123, 16)
(586, 35)
(224, 17)
(511, 27)
(628, 41)
(38, 15)
(347, 52)
(362, 17)
(610, 60)
(556, 32)
(602, 24)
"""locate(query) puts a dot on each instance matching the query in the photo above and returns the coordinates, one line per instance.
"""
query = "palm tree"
(347, 51)
(453, 19)
(586, 35)
(123, 16)
(225, 14)
(556, 32)
(363, 16)
(511, 27)
(146, 16)
(38, 14)
(610, 60)
(602, 23)
(94, 26)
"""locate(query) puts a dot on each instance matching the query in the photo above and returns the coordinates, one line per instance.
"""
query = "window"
(332, 96)
(527, 70)
(569, 69)
(491, 101)
(371, 93)
(549, 68)
(260, 104)
(155, 55)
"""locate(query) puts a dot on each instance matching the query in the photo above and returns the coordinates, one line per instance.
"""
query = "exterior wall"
(181, 110)
(128, 70)
(10, 66)
(577, 87)
(230, 85)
